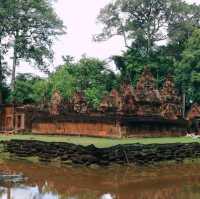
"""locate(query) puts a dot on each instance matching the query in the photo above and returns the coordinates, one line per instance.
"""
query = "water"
(61, 182)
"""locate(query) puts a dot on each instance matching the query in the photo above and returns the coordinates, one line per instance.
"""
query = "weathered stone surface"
(129, 105)
(79, 103)
(55, 105)
(136, 154)
(194, 112)
(111, 102)
(147, 96)
(171, 102)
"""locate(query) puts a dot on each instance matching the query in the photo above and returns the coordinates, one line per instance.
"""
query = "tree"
(62, 81)
(132, 63)
(26, 89)
(3, 45)
(141, 21)
(31, 25)
(91, 76)
(185, 18)
(188, 68)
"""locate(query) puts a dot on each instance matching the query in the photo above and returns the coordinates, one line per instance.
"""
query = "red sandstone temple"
(143, 111)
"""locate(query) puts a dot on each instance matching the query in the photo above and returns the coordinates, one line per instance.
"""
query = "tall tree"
(188, 68)
(33, 26)
(3, 46)
(141, 21)
(184, 19)
(24, 88)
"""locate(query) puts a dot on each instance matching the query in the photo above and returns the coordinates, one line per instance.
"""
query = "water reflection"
(34, 193)
(54, 182)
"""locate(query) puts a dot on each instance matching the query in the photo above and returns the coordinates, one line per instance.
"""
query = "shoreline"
(127, 154)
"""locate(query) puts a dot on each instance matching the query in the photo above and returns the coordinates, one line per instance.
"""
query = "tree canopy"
(28, 27)
(89, 75)
(161, 34)
(143, 25)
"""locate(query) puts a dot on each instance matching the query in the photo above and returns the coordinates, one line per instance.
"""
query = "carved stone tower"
(147, 96)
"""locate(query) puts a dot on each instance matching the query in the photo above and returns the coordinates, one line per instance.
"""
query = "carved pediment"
(128, 99)
(169, 93)
(79, 103)
(194, 112)
(171, 102)
(111, 102)
(146, 91)
(55, 104)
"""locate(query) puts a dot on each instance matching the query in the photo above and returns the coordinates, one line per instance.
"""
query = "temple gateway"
(143, 111)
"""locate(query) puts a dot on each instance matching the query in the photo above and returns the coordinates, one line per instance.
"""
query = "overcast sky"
(79, 16)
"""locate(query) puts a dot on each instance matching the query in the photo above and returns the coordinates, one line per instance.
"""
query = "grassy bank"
(100, 142)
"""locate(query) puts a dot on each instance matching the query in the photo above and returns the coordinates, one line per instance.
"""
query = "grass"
(99, 142)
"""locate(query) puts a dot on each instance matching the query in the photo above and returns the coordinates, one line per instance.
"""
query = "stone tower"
(111, 102)
(55, 105)
(171, 102)
(147, 96)
(128, 99)
(79, 103)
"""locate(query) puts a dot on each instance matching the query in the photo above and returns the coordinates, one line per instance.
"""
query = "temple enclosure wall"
(104, 130)
(110, 126)
(80, 128)
(140, 111)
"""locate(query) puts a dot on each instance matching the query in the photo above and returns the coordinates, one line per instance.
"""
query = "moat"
(42, 181)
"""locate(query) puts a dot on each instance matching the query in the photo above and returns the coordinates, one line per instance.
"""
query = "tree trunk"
(13, 80)
(148, 43)
(183, 104)
(1, 75)
(14, 68)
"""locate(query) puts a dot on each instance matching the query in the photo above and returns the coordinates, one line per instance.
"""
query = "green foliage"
(139, 21)
(62, 81)
(29, 89)
(41, 90)
(142, 24)
(188, 69)
(28, 27)
(92, 77)
(89, 75)
(131, 64)
(33, 25)
(184, 20)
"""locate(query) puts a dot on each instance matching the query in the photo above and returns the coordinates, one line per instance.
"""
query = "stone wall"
(115, 126)
(77, 128)
(137, 154)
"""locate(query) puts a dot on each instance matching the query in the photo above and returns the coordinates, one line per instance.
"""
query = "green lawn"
(99, 142)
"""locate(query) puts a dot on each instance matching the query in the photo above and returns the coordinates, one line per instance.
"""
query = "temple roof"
(111, 101)
(146, 88)
(194, 112)
(127, 89)
(78, 97)
(56, 100)
(169, 93)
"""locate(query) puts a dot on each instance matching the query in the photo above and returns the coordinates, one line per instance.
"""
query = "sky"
(79, 16)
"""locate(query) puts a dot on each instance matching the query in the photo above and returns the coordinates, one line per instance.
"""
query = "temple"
(171, 102)
(143, 111)
(147, 96)
(193, 117)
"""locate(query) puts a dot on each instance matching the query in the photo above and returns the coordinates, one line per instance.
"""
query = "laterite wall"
(159, 132)
(77, 128)
(106, 129)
